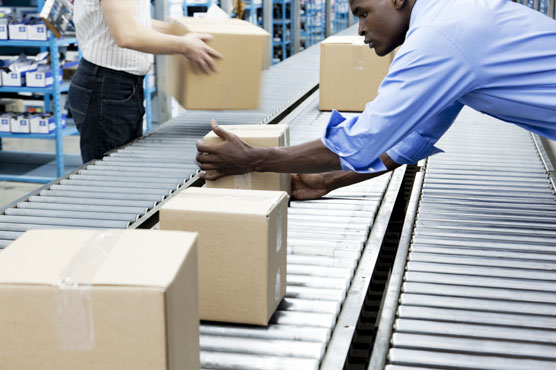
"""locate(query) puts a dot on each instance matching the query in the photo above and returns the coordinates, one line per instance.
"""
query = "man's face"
(384, 23)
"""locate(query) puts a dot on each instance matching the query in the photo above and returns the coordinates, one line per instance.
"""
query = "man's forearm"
(310, 157)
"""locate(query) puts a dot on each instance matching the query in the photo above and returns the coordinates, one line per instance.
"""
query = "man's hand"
(199, 53)
(308, 186)
(231, 157)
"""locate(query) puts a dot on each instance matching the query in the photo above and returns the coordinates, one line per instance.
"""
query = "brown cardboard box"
(237, 83)
(242, 249)
(265, 136)
(350, 73)
(134, 305)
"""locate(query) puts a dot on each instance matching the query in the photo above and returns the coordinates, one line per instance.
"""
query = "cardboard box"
(242, 249)
(350, 73)
(133, 304)
(17, 31)
(260, 136)
(20, 124)
(237, 83)
(37, 32)
(5, 123)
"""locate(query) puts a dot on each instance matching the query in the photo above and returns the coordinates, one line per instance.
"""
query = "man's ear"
(399, 4)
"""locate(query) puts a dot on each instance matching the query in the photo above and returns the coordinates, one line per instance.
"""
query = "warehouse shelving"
(281, 30)
(341, 14)
(52, 45)
(313, 19)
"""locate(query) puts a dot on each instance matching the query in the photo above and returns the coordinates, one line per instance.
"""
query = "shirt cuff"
(338, 141)
(412, 149)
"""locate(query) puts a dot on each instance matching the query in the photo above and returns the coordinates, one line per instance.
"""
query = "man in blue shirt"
(496, 56)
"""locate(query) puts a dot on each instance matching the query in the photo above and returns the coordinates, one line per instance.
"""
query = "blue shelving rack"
(314, 22)
(253, 7)
(188, 5)
(281, 29)
(53, 92)
(544, 6)
(341, 10)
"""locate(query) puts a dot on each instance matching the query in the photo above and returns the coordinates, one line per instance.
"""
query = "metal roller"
(46, 213)
(63, 222)
(83, 207)
(44, 198)
(285, 332)
(222, 360)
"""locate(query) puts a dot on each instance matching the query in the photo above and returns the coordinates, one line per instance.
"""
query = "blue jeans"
(107, 107)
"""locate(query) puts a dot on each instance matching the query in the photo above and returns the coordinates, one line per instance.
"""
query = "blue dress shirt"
(495, 56)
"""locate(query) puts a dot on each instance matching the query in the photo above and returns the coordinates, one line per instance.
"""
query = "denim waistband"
(98, 71)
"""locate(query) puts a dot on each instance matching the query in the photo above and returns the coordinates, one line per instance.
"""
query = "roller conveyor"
(474, 282)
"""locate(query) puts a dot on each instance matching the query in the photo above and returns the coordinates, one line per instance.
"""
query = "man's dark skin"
(384, 24)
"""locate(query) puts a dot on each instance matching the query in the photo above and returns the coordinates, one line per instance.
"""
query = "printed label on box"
(3, 32)
(5, 124)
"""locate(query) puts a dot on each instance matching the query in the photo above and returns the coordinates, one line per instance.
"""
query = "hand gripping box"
(99, 300)
(242, 249)
(261, 136)
(350, 73)
(237, 83)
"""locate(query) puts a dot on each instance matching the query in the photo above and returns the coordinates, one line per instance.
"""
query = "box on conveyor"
(350, 73)
(260, 136)
(236, 84)
(99, 300)
(242, 249)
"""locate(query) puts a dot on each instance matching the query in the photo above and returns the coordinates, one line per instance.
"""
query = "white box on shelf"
(41, 77)
(3, 31)
(5, 123)
(10, 78)
(37, 32)
(20, 124)
(45, 124)
(17, 31)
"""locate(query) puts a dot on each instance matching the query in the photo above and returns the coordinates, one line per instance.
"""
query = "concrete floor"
(11, 191)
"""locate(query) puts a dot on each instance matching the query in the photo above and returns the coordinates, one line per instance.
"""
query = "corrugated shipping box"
(237, 83)
(134, 305)
(260, 136)
(242, 249)
(350, 73)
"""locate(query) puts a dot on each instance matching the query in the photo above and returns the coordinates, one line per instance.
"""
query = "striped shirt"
(97, 44)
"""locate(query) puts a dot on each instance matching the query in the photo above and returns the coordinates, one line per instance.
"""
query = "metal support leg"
(163, 100)
(296, 25)
(55, 63)
(328, 18)
(267, 25)
(551, 13)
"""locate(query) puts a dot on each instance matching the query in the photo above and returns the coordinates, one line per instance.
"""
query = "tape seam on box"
(75, 329)
(244, 181)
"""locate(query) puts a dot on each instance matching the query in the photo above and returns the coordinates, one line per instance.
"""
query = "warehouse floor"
(9, 190)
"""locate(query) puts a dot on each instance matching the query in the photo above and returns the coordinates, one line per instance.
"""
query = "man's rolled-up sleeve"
(416, 103)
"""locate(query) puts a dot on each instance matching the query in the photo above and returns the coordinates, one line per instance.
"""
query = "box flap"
(219, 26)
(232, 201)
(253, 131)
(136, 257)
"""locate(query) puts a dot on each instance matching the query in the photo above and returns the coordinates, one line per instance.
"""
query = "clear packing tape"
(357, 54)
(244, 181)
(73, 293)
